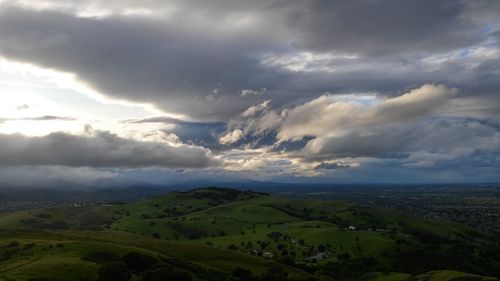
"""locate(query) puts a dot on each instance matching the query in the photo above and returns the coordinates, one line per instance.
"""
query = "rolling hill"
(216, 233)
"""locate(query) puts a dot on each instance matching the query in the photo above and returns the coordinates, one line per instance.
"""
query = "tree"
(242, 274)
(344, 257)
(115, 271)
(138, 262)
(164, 272)
(274, 273)
(322, 248)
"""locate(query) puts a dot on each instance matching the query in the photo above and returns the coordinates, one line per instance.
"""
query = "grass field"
(221, 229)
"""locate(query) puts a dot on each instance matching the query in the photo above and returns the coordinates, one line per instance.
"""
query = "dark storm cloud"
(198, 60)
(100, 150)
(189, 71)
(385, 27)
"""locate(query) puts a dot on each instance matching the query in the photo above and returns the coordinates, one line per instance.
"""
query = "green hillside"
(219, 230)
(72, 255)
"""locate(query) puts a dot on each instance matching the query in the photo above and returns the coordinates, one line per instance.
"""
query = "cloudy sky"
(164, 92)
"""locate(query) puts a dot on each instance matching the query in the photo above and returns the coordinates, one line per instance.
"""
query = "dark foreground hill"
(224, 234)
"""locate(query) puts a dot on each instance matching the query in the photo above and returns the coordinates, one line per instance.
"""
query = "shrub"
(13, 244)
(165, 273)
(274, 273)
(138, 262)
(100, 257)
(242, 274)
(115, 271)
(29, 246)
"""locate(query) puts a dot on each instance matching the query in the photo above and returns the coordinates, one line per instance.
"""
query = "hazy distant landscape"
(474, 205)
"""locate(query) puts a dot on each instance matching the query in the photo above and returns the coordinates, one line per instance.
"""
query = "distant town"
(476, 205)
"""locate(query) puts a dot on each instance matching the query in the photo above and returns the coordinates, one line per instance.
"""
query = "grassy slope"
(220, 218)
(252, 219)
(44, 254)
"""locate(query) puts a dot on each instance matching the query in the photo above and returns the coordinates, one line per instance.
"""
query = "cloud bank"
(103, 149)
(319, 90)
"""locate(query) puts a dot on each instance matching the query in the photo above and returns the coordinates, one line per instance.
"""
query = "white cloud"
(231, 137)
(248, 92)
(328, 116)
(253, 110)
(411, 126)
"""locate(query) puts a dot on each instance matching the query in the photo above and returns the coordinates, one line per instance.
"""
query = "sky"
(164, 92)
